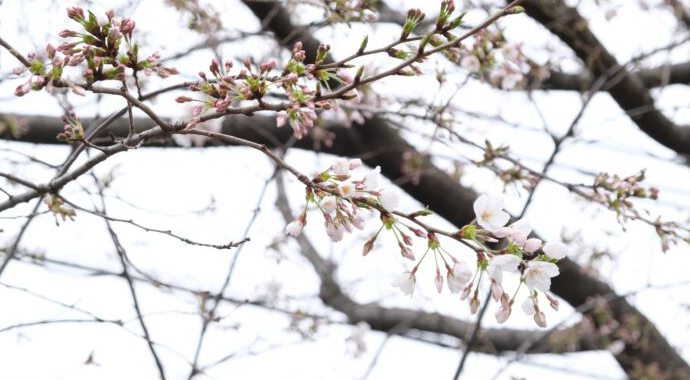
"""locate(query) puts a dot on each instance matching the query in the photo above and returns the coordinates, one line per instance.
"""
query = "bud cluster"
(252, 82)
(73, 129)
(56, 206)
(97, 46)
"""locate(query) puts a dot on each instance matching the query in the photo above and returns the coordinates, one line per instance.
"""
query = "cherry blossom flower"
(517, 232)
(341, 166)
(355, 163)
(531, 245)
(335, 232)
(502, 263)
(538, 275)
(489, 211)
(459, 276)
(389, 199)
(511, 52)
(295, 227)
(347, 189)
(371, 180)
(328, 205)
(406, 282)
(555, 250)
(470, 63)
(510, 81)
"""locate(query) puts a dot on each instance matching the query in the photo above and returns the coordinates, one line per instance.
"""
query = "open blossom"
(328, 205)
(459, 276)
(389, 199)
(489, 211)
(555, 250)
(502, 263)
(470, 63)
(538, 275)
(510, 81)
(511, 52)
(405, 282)
(371, 180)
(341, 166)
(517, 232)
(355, 163)
(347, 189)
(295, 227)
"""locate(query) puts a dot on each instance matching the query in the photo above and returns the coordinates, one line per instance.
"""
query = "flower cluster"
(97, 46)
(499, 247)
(616, 192)
(340, 199)
(480, 59)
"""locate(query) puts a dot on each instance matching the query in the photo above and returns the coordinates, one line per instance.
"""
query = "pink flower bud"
(406, 252)
(75, 13)
(474, 305)
(214, 68)
(438, 281)
(50, 49)
(496, 290)
(552, 302)
(540, 319)
(110, 13)
(465, 292)
(67, 33)
(368, 246)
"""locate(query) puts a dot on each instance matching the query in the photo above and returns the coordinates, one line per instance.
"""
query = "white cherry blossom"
(294, 228)
(355, 163)
(347, 189)
(406, 282)
(328, 205)
(489, 211)
(538, 275)
(518, 232)
(459, 276)
(341, 166)
(502, 263)
(371, 180)
(555, 250)
(389, 199)
(528, 306)
(470, 63)
(335, 232)
(531, 245)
